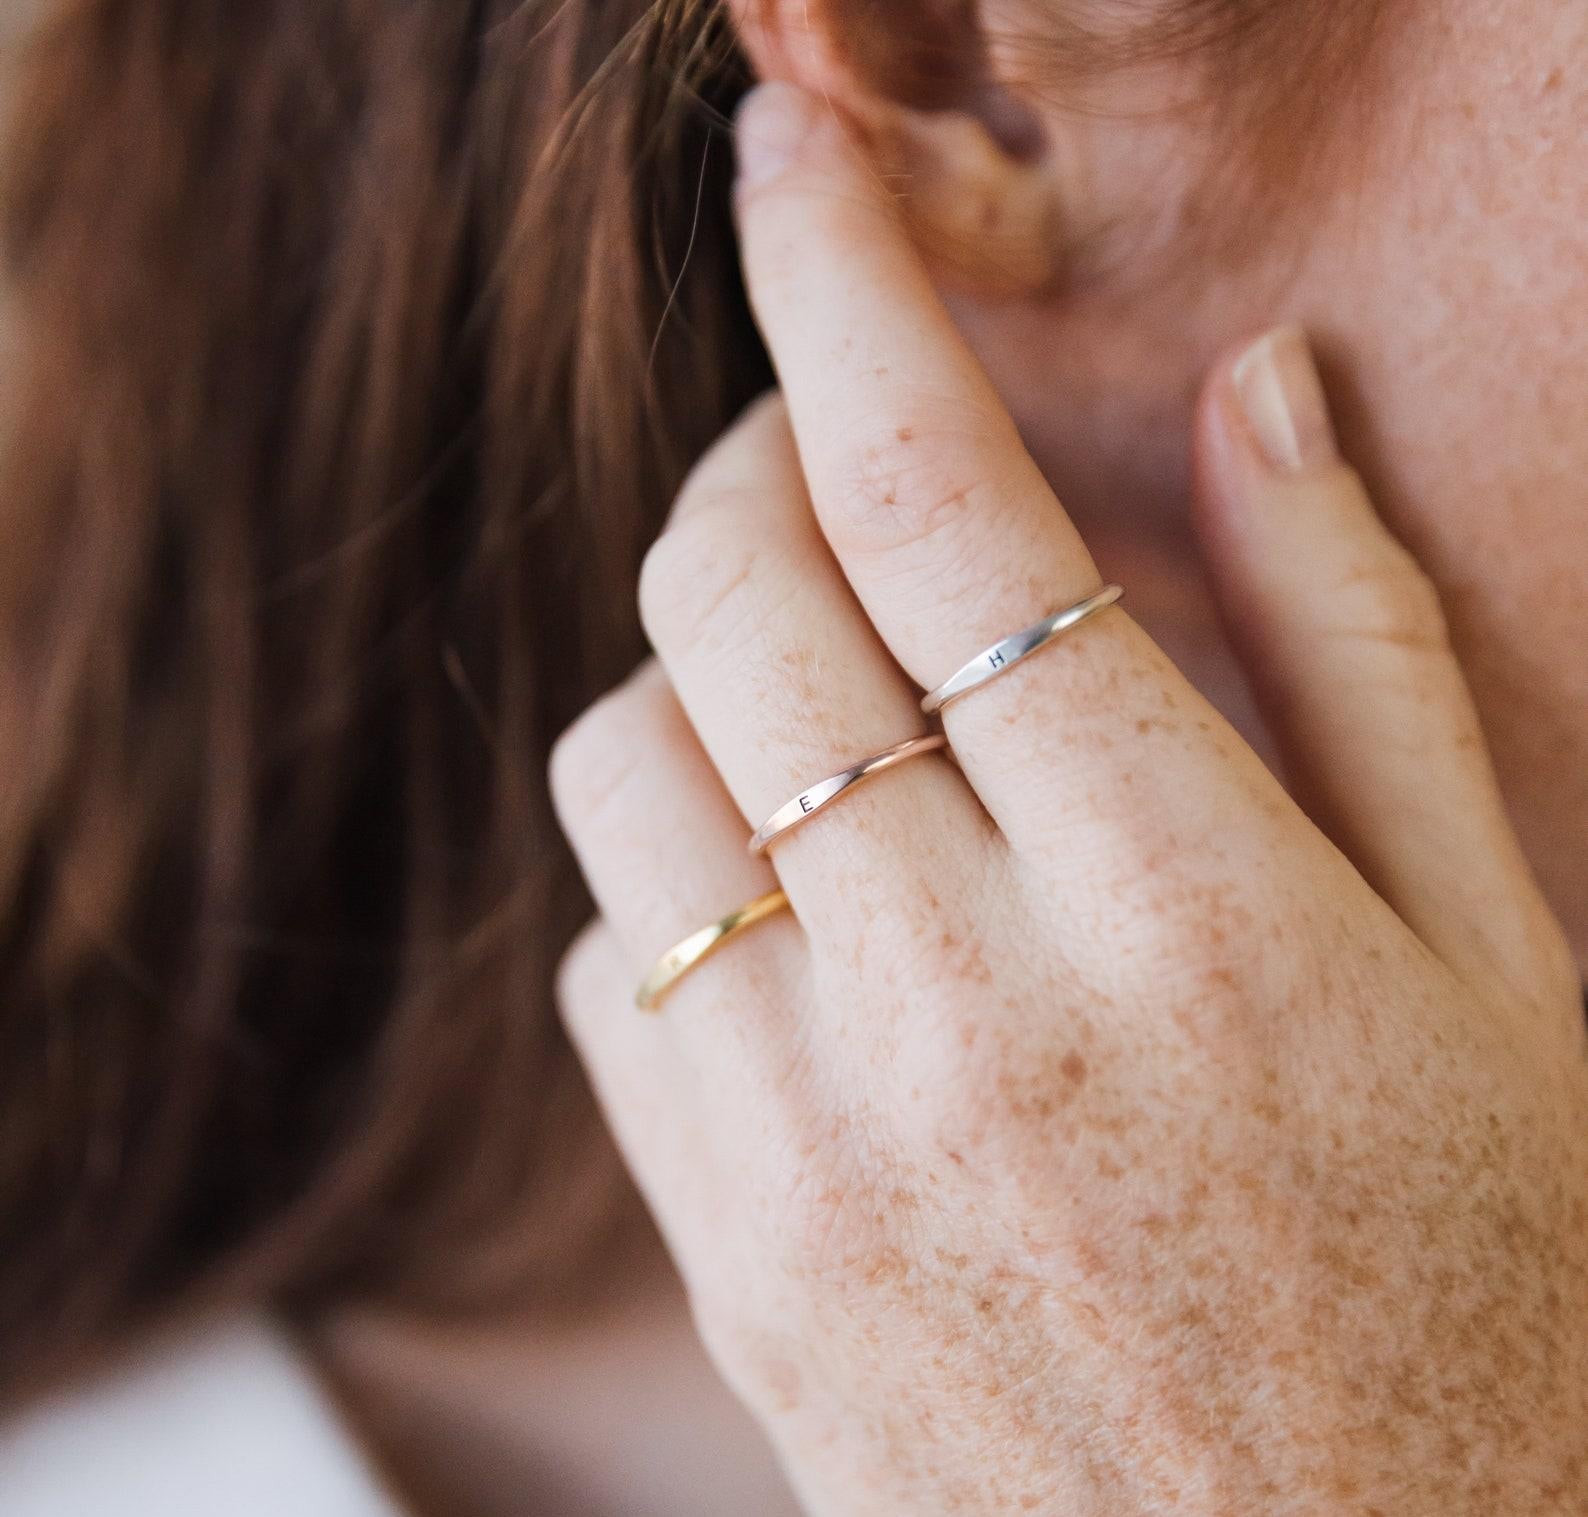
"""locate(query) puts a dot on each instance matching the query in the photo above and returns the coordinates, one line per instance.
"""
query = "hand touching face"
(1100, 1131)
(1435, 250)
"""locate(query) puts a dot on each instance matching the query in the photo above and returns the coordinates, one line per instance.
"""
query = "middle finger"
(941, 520)
(787, 683)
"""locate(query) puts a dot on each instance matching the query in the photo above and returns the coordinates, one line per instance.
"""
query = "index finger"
(941, 520)
(905, 444)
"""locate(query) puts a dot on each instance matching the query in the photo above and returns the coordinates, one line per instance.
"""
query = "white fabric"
(229, 1423)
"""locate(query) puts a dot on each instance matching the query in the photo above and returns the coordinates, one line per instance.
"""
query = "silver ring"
(993, 661)
(808, 802)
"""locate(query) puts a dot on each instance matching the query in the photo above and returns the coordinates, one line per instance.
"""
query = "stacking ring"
(808, 802)
(699, 946)
(993, 661)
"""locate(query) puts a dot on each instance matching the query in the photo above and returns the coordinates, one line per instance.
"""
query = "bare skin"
(1436, 274)
(1102, 1133)
(1436, 259)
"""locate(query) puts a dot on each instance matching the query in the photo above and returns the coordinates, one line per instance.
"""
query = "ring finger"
(659, 840)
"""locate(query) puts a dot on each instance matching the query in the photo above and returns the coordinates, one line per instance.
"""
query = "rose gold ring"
(808, 802)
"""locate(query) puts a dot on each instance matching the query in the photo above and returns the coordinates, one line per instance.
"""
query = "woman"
(1103, 1128)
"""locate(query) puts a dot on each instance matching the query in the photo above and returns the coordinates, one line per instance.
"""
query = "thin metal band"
(808, 802)
(698, 946)
(993, 661)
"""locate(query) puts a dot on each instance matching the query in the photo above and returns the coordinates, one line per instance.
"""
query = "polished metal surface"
(1003, 656)
(808, 802)
(699, 946)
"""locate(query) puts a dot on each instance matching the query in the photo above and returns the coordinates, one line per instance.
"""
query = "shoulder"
(227, 1420)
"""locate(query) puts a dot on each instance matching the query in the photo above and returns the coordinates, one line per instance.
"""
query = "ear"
(964, 151)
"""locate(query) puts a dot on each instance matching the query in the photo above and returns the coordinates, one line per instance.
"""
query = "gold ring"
(684, 956)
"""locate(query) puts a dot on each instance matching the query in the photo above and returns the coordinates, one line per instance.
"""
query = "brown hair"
(357, 349)
(343, 408)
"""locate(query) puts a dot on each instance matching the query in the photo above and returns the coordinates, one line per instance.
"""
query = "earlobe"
(962, 154)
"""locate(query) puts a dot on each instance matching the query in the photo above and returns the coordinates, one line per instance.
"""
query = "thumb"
(1345, 643)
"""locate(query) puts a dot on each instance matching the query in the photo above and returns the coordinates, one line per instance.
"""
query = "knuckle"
(664, 572)
(892, 499)
(579, 971)
(567, 769)
(698, 581)
(906, 486)
(593, 762)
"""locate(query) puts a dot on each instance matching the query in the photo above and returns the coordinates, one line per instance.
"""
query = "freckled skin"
(1215, 1284)
(1214, 1189)
(1208, 1192)
(1440, 263)
(1229, 1218)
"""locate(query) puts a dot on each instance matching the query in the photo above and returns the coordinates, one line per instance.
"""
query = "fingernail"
(771, 123)
(1282, 396)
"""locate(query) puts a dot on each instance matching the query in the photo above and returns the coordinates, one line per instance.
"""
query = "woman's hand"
(1101, 1132)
